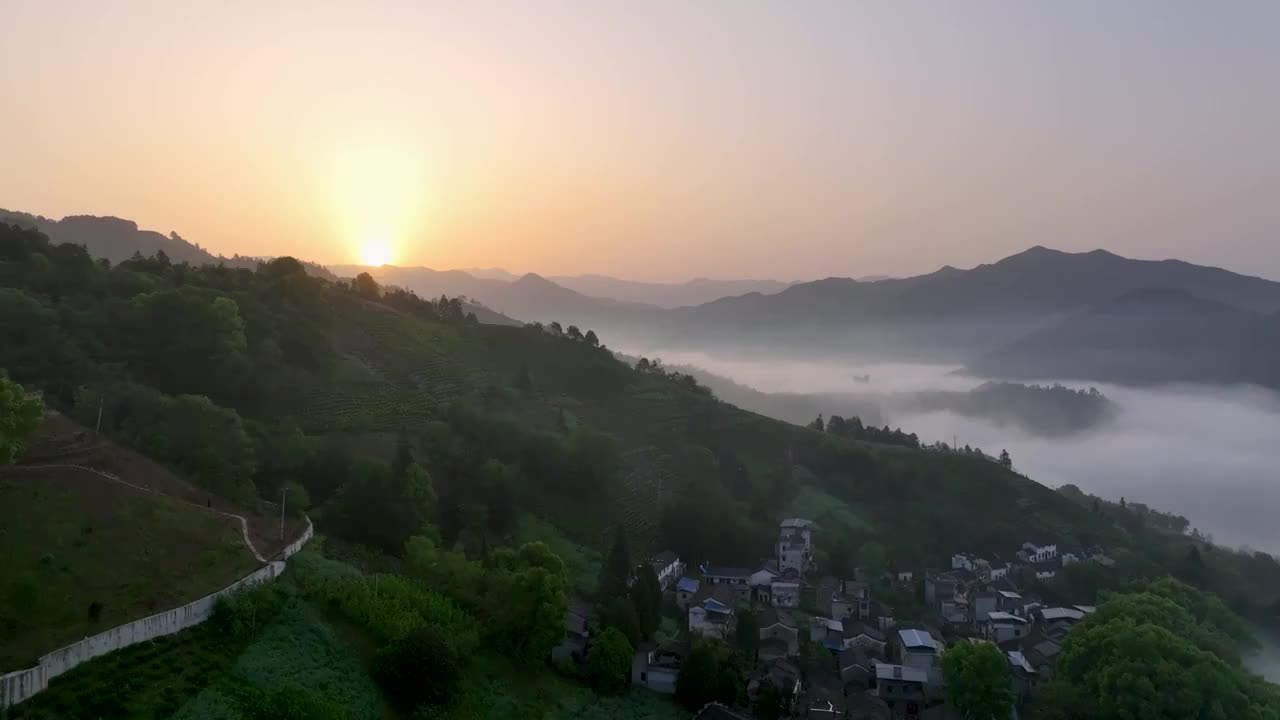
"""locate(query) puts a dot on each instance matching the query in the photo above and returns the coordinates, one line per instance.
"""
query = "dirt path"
(244, 522)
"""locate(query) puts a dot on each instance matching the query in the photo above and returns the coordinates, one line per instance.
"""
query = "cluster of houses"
(859, 659)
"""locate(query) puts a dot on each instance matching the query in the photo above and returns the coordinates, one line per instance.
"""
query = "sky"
(660, 140)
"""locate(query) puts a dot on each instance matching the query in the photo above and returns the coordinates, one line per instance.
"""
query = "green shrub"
(419, 669)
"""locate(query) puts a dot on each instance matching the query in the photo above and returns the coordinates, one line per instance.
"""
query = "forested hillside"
(441, 444)
(248, 381)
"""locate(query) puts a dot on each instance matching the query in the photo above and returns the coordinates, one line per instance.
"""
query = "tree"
(573, 332)
(419, 669)
(620, 613)
(873, 559)
(20, 413)
(772, 702)
(609, 662)
(615, 579)
(748, 635)
(1005, 461)
(977, 676)
(366, 286)
(524, 379)
(705, 677)
(591, 338)
(555, 328)
(818, 424)
(841, 559)
(646, 596)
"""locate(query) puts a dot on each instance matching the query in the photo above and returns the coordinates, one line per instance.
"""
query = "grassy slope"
(70, 538)
(921, 503)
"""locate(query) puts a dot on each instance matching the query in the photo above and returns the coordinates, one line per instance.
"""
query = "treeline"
(199, 367)
(853, 429)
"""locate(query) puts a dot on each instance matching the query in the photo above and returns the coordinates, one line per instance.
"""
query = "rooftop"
(1010, 595)
(728, 572)
(854, 629)
(665, 558)
(1001, 616)
(900, 672)
(1018, 660)
(1061, 613)
(687, 584)
(917, 639)
(796, 523)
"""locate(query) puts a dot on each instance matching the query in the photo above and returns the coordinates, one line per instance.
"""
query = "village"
(860, 647)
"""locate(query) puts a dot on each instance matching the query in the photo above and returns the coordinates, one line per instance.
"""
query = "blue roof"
(918, 639)
(687, 584)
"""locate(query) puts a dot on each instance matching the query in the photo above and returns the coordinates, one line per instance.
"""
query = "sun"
(375, 253)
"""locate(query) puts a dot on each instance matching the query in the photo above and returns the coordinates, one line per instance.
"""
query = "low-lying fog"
(1210, 454)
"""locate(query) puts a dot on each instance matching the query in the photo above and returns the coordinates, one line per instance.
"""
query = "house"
(577, 633)
(1071, 555)
(1008, 601)
(999, 567)
(794, 548)
(780, 630)
(857, 668)
(902, 688)
(1025, 677)
(1000, 626)
(962, 561)
(905, 576)
(983, 603)
(737, 578)
(822, 629)
(917, 648)
(1045, 570)
(854, 601)
(656, 668)
(943, 588)
(686, 589)
(1038, 552)
(762, 580)
(858, 634)
(668, 568)
(784, 594)
(711, 613)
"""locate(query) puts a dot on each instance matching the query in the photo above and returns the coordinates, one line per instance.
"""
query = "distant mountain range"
(116, 239)
(1042, 313)
(1148, 336)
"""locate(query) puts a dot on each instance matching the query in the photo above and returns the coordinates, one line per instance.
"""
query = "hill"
(665, 295)
(117, 240)
(956, 314)
(271, 377)
(1144, 337)
(84, 553)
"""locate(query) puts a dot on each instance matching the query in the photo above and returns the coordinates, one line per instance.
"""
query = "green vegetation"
(977, 677)
(83, 555)
(20, 413)
(1156, 651)
(609, 663)
(485, 468)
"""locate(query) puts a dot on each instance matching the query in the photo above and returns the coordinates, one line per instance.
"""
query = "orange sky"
(660, 140)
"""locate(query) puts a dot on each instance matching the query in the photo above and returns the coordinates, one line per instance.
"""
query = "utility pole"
(101, 397)
(284, 493)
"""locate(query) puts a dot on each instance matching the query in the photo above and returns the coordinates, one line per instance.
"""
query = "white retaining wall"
(22, 684)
